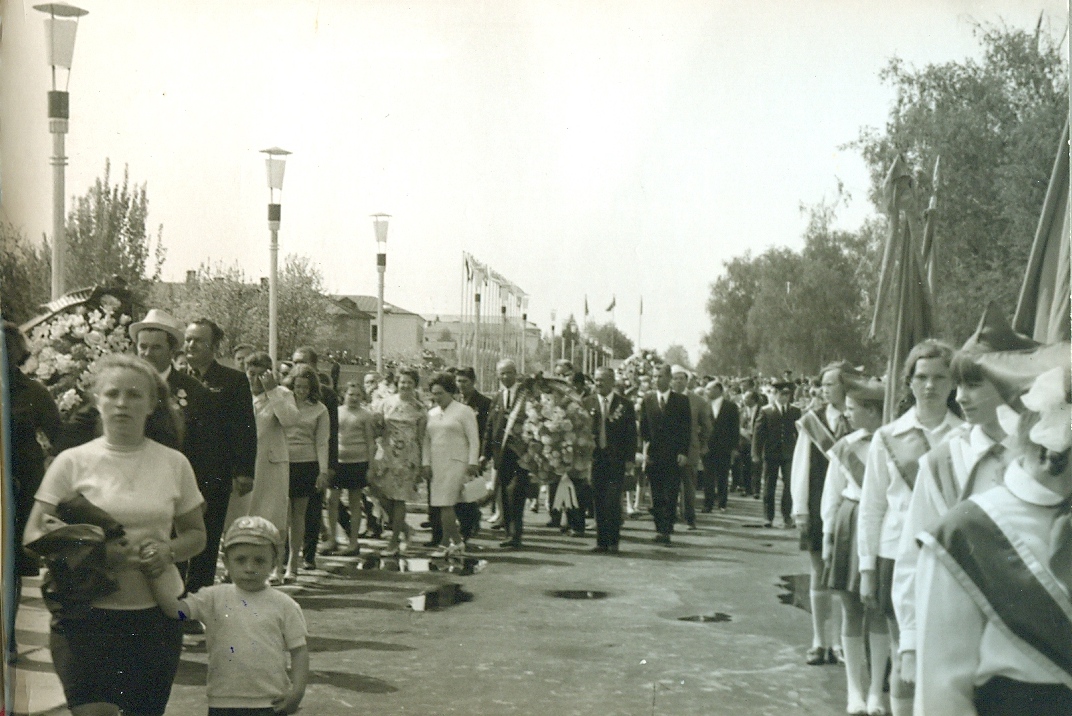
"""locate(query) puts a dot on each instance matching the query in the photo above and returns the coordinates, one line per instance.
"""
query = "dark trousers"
(314, 511)
(665, 481)
(201, 569)
(515, 486)
(468, 514)
(771, 469)
(717, 472)
(607, 479)
(689, 476)
(742, 470)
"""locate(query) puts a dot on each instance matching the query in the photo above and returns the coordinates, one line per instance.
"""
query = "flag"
(586, 305)
(613, 302)
(641, 305)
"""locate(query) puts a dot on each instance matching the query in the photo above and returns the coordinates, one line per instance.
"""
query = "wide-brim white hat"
(159, 320)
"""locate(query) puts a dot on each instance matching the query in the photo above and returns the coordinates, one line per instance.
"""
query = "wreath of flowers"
(65, 347)
(555, 430)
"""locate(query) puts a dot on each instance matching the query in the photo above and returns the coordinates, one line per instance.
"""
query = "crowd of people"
(944, 534)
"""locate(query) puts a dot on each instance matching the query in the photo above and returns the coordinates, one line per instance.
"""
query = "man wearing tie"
(615, 434)
(234, 444)
(700, 428)
(499, 447)
(666, 429)
(722, 441)
(773, 441)
(819, 429)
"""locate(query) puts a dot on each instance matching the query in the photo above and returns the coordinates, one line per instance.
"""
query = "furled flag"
(641, 305)
(613, 302)
(586, 304)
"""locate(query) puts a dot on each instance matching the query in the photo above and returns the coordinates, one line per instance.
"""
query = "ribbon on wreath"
(566, 495)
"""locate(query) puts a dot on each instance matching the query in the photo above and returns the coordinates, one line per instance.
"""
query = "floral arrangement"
(554, 429)
(64, 347)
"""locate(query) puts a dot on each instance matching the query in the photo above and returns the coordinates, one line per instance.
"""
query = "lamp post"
(60, 28)
(275, 164)
(379, 224)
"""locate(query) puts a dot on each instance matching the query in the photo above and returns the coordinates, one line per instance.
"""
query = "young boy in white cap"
(250, 627)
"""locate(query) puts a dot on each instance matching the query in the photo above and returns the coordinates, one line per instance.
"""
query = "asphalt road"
(711, 625)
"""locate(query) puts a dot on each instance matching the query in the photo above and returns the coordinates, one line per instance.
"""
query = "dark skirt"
(351, 476)
(842, 571)
(126, 657)
(884, 579)
(1002, 696)
(303, 479)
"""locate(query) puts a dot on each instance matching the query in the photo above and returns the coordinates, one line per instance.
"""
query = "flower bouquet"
(555, 432)
(64, 346)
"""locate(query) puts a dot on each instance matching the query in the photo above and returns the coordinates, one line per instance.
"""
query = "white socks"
(880, 654)
(855, 671)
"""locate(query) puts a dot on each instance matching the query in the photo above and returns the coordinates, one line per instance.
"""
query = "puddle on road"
(707, 618)
(577, 594)
(463, 567)
(796, 588)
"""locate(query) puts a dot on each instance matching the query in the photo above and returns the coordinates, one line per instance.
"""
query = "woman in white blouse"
(450, 456)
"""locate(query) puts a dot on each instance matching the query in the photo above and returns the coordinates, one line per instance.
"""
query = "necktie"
(604, 403)
(842, 428)
(662, 403)
(506, 399)
(1061, 545)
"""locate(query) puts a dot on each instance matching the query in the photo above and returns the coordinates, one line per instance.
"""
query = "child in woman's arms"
(249, 626)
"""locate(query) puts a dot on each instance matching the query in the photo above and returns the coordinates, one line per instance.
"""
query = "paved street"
(509, 647)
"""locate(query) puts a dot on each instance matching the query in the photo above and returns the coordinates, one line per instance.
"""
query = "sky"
(582, 148)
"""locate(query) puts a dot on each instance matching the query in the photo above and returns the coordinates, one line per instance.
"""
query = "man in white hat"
(157, 338)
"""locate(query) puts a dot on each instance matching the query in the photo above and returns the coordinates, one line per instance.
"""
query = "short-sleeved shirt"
(249, 635)
(143, 488)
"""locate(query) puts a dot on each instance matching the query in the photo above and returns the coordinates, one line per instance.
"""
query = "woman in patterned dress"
(402, 418)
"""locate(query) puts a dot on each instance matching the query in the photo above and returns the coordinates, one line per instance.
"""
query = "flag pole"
(640, 326)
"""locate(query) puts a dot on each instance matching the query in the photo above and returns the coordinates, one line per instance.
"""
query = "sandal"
(816, 656)
(290, 578)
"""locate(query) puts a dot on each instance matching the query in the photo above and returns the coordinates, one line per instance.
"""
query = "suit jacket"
(236, 439)
(201, 438)
(775, 435)
(481, 405)
(725, 429)
(621, 427)
(700, 417)
(496, 428)
(330, 399)
(668, 431)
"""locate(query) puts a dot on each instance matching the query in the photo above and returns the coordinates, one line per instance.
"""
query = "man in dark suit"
(231, 449)
(666, 429)
(721, 443)
(469, 512)
(615, 434)
(773, 442)
(501, 449)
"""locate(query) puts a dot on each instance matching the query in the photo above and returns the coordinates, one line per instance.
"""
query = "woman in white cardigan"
(450, 456)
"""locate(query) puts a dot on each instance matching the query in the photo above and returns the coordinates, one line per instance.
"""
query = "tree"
(677, 355)
(994, 124)
(25, 271)
(107, 236)
(726, 346)
(240, 307)
(611, 336)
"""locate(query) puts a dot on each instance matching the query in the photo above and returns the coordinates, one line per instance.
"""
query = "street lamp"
(60, 28)
(275, 163)
(379, 223)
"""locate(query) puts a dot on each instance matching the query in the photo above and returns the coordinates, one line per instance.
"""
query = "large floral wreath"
(65, 344)
(554, 431)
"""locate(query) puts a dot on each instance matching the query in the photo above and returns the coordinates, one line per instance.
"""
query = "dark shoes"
(818, 655)
(768, 523)
(575, 533)
(511, 544)
(692, 527)
(600, 549)
(661, 539)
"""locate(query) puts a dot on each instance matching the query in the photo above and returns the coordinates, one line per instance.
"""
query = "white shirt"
(885, 495)
(971, 450)
(958, 646)
(800, 471)
(716, 407)
(663, 398)
(509, 396)
(839, 484)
